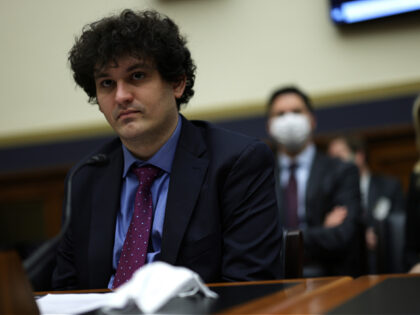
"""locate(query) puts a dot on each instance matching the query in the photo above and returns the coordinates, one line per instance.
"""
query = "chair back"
(16, 295)
(292, 254)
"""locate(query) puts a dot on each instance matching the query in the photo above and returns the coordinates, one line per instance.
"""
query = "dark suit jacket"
(412, 223)
(386, 187)
(220, 221)
(386, 258)
(331, 183)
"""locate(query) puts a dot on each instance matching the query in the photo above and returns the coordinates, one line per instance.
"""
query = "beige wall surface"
(243, 50)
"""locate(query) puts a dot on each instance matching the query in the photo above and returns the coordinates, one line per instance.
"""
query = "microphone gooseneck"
(36, 261)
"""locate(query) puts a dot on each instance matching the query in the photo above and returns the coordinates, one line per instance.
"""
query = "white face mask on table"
(291, 130)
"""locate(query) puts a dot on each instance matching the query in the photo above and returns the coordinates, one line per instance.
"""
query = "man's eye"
(106, 83)
(137, 75)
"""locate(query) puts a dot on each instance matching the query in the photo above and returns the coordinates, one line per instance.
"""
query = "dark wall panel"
(380, 113)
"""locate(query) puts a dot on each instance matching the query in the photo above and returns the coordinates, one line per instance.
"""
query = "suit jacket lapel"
(105, 206)
(187, 175)
(315, 175)
(371, 194)
(279, 191)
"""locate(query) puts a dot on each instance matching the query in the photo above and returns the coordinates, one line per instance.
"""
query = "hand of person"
(371, 238)
(415, 269)
(335, 217)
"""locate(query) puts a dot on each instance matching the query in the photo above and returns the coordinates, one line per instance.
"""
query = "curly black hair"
(146, 35)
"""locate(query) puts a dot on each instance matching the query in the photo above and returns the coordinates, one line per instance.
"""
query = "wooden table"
(281, 301)
(283, 294)
(364, 295)
(381, 294)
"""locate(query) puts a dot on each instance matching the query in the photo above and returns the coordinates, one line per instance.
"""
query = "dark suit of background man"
(214, 200)
(412, 228)
(328, 197)
(382, 201)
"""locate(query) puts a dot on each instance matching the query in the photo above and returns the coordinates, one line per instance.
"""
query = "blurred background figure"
(382, 204)
(412, 241)
(316, 193)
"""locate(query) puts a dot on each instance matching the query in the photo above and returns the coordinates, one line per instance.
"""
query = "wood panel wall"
(40, 190)
(391, 151)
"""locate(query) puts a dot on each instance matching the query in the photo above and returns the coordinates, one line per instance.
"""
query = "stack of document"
(151, 287)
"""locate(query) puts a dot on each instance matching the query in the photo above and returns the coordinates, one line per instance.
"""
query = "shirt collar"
(163, 158)
(304, 159)
(364, 181)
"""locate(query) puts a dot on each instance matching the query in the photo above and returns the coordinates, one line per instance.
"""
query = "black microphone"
(42, 255)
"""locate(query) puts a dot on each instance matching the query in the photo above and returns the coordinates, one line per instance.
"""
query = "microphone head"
(98, 159)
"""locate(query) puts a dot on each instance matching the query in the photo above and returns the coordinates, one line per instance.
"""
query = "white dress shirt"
(304, 163)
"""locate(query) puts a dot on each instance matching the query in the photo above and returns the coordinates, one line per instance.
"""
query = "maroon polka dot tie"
(134, 251)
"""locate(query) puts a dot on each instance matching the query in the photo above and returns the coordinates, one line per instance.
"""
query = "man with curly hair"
(212, 199)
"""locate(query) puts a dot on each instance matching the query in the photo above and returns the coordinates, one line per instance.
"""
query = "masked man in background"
(317, 194)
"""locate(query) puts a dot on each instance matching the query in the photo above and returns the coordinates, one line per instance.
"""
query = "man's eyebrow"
(99, 73)
(139, 65)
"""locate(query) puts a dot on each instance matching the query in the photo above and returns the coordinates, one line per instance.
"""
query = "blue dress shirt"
(162, 159)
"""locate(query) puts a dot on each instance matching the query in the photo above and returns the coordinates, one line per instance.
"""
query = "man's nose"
(123, 94)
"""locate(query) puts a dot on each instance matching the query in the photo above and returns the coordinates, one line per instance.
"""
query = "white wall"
(243, 49)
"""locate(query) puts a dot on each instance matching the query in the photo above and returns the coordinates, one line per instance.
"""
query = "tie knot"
(146, 175)
(293, 166)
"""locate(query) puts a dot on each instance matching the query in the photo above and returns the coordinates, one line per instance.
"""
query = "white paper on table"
(71, 303)
(150, 287)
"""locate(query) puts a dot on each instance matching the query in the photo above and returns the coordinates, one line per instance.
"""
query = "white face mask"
(291, 130)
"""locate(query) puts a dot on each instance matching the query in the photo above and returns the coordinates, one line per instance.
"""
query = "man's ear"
(359, 159)
(179, 86)
(313, 122)
(267, 125)
(99, 106)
